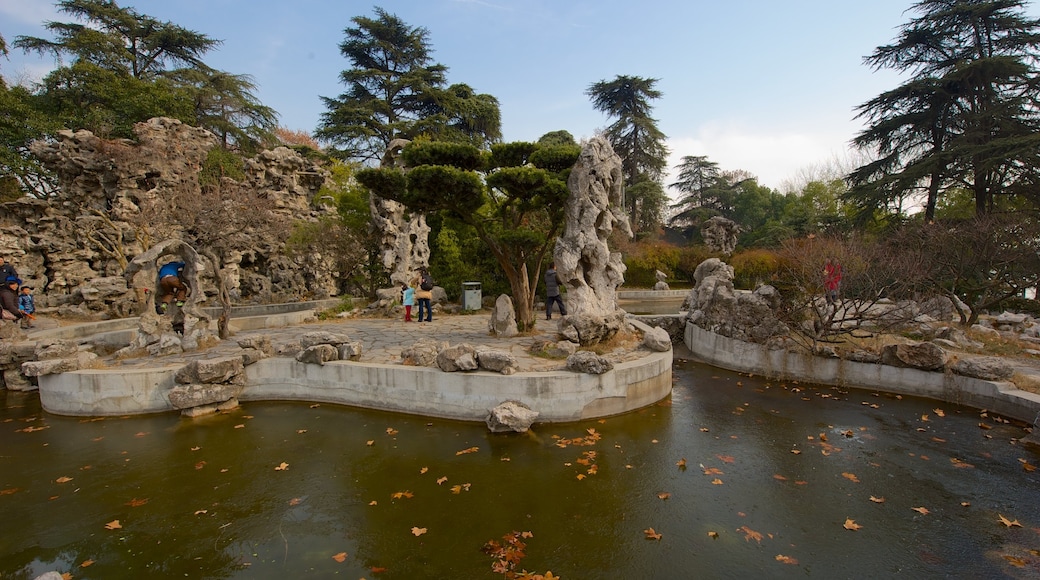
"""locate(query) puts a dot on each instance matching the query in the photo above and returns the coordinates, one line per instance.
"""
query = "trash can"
(471, 296)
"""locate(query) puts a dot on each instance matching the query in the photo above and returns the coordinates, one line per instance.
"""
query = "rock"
(510, 416)
(55, 349)
(423, 353)
(55, 366)
(1010, 318)
(824, 351)
(561, 349)
(587, 268)
(251, 356)
(350, 350)
(715, 306)
(261, 342)
(496, 361)
(588, 329)
(202, 410)
(660, 286)
(985, 330)
(657, 340)
(217, 370)
(460, 357)
(986, 368)
(720, 235)
(318, 354)
(14, 380)
(862, 356)
(323, 337)
(584, 361)
(503, 318)
(187, 396)
(290, 348)
(958, 337)
(921, 355)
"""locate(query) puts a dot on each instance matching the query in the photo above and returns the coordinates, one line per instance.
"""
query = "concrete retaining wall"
(1001, 397)
(557, 396)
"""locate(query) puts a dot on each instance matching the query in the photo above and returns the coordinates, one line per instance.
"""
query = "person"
(9, 299)
(6, 270)
(423, 285)
(171, 285)
(831, 279)
(27, 306)
(408, 300)
(552, 292)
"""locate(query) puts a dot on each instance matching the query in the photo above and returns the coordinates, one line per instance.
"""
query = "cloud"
(771, 155)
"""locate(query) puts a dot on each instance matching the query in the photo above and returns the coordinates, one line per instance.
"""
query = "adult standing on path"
(831, 279)
(552, 292)
(423, 285)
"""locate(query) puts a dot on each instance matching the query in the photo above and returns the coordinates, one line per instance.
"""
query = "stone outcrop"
(714, 305)
(662, 281)
(403, 235)
(74, 246)
(925, 356)
(585, 361)
(986, 368)
(208, 385)
(423, 353)
(321, 347)
(503, 318)
(657, 340)
(720, 234)
(586, 266)
(588, 329)
(511, 416)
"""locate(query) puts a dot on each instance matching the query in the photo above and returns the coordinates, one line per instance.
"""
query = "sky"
(766, 86)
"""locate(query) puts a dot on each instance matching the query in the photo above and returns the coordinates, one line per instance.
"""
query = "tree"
(225, 105)
(513, 199)
(966, 118)
(634, 134)
(395, 91)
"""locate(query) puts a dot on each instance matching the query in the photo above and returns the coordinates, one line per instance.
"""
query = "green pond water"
(203, 498)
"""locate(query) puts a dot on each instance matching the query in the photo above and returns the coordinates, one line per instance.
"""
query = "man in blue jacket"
(171, 285)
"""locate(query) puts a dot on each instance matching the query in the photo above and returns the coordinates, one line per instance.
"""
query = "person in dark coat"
(6, 270)
(552, 292)
(9, 299)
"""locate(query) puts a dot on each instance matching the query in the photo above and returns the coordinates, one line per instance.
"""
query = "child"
(27, 306)
(408, 299)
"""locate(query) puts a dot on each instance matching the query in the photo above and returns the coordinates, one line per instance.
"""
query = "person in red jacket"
(831, 279)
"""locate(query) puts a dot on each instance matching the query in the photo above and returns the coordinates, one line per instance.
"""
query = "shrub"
(754, 267)
(221, 163)
(646, 260)
(689, 258)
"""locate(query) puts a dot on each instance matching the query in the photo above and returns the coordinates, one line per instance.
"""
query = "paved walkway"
(383, 339)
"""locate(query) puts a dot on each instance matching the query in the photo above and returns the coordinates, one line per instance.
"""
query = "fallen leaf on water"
(985, 426)
(8, 491)
(301, 431)
(716, 481)
(418, 531)
(239, 426)
(851, 524)
(370, 442)
(921, 510)
(1015, 561)
(924, 418)
(86, 564)
(823, 437)
(652, 535)
(391, 431)
(725, 458)
(786, 559)
(141, 434)
(378, 569)
(63, 479)
(136, 502)
(200, 465)
(373, 502)
(402, 494)
(877, 499)
(965, 504)
(196, 448)
(315, 406)
(961, 464)
(653, 440)
(713, 471)
(664, 495)
(796, 452)
(423, 470)
(341, 557)
(713, 535)
(66, 576)
(1009, 523)
(938, 440)
(295, 501)
(282, 466)
(113, 525)
(750, 534)
(469, 450)
(851, 477)
(441, 480)
(939, 412)
(779, 477)
(200, 512)
(704, 429)
(1026, 465)
(681, 463)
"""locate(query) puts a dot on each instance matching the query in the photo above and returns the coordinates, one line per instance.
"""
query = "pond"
(739, 476)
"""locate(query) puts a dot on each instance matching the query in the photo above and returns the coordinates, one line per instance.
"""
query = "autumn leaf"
(8, 491)
(469, 450)
(786, 559)
(441, 480)
(985, 426)
(391, 431)
(750, 534)
(704, 429)
(652, 535)
(86, 564)
(378, 569)
(295, 501)
(796, 452)
(283, 466)
(713, 535)
(877, 499)
(713, 471)
(779, 477)
(682, 464)
(851, 477)
(402, 494)
(924, 418)
(965, 504)
(418, 531)
(851, 524)
(341, 557)
(526, 535)
(961, 464)
(315, 406)
(725, 458)
(370, 442)
(141, 434)
(373, 502)
(301, 431)
(423, 470)
(200, 512)
(921, 510)
(1015, 561)
(939, 412)
(1009, 523)
(196, 448)
(113, 525)
(136, 502)
(664, 495)
(200, 465)
(1026, 465)
(63, 479)
(239, 426)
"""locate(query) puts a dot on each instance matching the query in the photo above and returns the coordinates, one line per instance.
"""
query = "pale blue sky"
(761, 85)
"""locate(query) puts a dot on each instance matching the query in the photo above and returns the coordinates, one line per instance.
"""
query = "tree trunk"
(223, 329)
(523, 299)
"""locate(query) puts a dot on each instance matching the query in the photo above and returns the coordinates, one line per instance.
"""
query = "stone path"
(383, 340)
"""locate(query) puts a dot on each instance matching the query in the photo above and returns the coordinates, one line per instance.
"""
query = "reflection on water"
(641, 306)
(773, 473)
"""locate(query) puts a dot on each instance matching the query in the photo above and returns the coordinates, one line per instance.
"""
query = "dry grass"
(622, 340)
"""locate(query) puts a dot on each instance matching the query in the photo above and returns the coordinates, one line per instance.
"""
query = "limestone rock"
(323, 337)
(503, 318)
(958, 337)
(497, 361)
(584, 361)
(460, 357)
(318, 354)
(251, 356)
(561, 349)
(423, 353)
(587, 268)
(261, 342)
(511, 416)
(55, 349)
(217, 370)
(55, 366)
(986, 368)
(588, 329)
(210, 409)
(185, 396)
(660, 286)
(350, 350)
(14, 380)
(862, 356)
(720, 235)
(657, 340)
(921, 355)
(714, 306)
